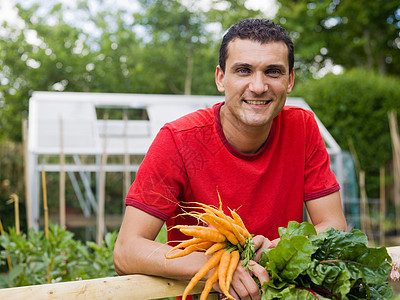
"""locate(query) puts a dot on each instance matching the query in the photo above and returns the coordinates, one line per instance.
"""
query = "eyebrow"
(239, 64)
(271, 66)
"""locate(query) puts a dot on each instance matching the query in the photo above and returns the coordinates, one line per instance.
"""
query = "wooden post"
(102, 187)
(14, 199)
(62, 177)
(127, 174)
(26, 174)
(365, 217)
(45, 208)
(8, 256)
(46, 216)
(394, 133)
(382, 208)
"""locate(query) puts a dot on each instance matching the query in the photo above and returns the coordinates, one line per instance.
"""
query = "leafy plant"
(353, 107)
(36, 259)
(332, 265)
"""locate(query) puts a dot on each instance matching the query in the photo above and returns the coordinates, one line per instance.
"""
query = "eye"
(243, 71)
(273, 72)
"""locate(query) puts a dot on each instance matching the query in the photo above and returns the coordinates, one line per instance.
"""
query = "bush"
(354, 105)
(36, 259)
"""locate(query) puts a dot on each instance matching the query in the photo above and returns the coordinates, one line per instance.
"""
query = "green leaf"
(381, 291)
(16, 271)
(332, 242)
(290, 258)
(362, 262)
(330, 278)
(295, 228)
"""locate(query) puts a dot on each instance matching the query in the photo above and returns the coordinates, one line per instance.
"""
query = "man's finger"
(260, 272)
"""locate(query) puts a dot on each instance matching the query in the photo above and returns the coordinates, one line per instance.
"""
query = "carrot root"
(211, 263)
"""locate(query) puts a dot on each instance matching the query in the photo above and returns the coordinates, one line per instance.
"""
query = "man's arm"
(327, 212)
(136, 252)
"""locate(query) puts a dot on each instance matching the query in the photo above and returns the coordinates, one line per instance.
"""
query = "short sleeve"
(160, 179)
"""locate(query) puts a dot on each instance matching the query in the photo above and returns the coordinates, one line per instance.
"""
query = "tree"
(363, 34)
(354, 106)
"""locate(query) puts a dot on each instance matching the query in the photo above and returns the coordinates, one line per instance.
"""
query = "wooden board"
(132, 287)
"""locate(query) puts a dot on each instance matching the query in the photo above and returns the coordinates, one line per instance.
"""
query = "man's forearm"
(142, 256)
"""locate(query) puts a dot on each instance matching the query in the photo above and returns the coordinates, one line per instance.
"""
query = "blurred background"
(347, 64)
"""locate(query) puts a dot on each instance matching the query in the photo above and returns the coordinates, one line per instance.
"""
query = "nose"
(258, 84)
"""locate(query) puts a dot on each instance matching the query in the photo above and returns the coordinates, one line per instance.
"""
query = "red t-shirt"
(190, 159)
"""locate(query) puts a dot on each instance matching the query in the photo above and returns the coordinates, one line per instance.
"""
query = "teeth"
(257, 102)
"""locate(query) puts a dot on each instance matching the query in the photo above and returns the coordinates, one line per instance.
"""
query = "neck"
(247, 140)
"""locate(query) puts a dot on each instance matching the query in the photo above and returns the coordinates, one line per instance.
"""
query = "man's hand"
(243, 286)
(261, 243)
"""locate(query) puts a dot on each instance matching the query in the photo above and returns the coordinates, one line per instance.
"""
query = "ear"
(219, 79)
(291, 82)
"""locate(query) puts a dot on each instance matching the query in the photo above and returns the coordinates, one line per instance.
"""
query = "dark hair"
(260, 30)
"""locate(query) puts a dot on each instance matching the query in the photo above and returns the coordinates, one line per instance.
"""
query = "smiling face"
(256, 82)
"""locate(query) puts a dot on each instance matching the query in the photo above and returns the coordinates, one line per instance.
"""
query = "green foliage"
(163, 47)
(362, 34)
(332, 265)
(354, 106)
(38, 260)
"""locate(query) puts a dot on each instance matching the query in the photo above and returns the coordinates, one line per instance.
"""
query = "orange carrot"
(222, 272)
(238, 235)
(222, 225)
(235, 257)
(209, 283)
(211, 263)
(215, 248)
(219, 213)
(205, 233)
(186, 243)
(195, 247)
(218, 222)
(238, 220)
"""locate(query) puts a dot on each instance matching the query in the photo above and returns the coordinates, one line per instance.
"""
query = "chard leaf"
(290, 258)
(369, 264)
(295, 228)
(381, 291)
(331, 242)
(334, 264)
(264, 258)
(291, 292)
(330, 278)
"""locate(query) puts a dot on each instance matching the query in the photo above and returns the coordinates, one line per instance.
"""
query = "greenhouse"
(64, 127)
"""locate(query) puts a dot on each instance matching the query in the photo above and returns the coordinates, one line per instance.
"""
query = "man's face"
(256, 82)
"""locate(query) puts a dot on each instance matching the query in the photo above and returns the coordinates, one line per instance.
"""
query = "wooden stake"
(46, 216)
(14, 199)
(382, 207)
(102, 184)
(26, 174)
(394, 133)
(127, 177)
(45, 208)
(365, 218)
(62, 177)
(8, 256)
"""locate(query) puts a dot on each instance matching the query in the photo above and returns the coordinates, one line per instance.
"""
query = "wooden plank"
(132, 287)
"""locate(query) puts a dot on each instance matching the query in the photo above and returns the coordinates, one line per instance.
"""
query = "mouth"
(257, 102)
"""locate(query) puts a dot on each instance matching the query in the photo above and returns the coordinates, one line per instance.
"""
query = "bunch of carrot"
(226, 239)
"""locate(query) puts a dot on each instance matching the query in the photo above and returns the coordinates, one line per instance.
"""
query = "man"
(266, 161)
